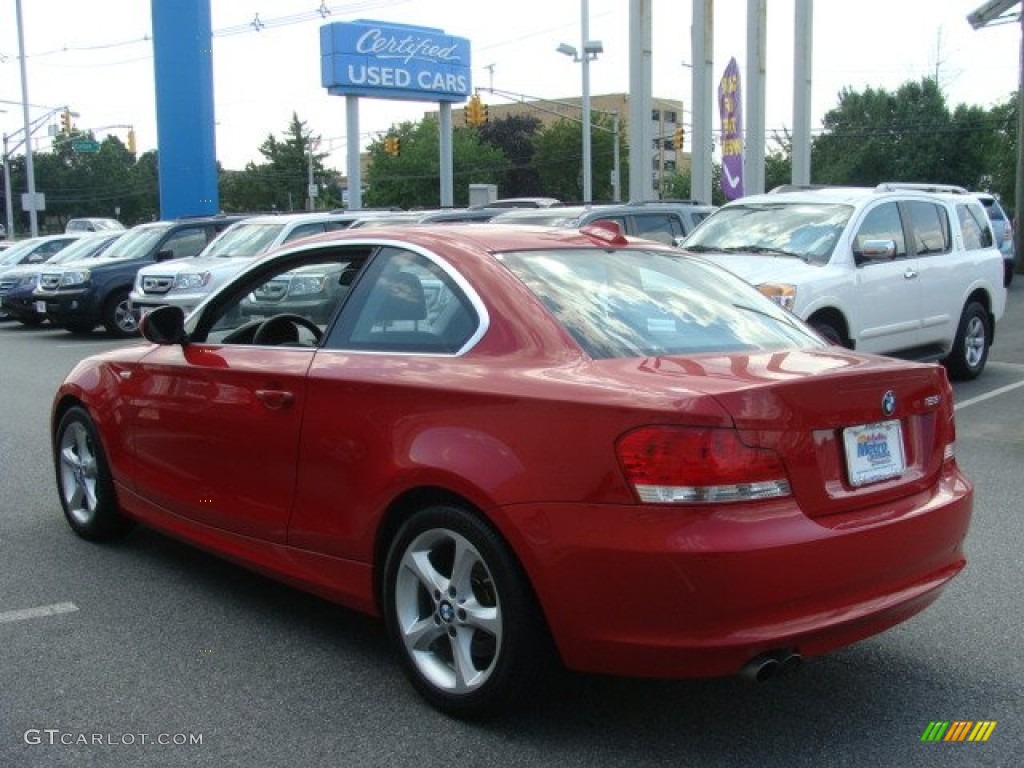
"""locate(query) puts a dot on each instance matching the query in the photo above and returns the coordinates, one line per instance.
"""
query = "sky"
(96, 57)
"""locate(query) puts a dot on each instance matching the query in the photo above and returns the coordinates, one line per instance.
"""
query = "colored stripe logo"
(958, 730)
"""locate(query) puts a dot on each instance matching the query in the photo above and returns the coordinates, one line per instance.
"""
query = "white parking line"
(36, 613)
(988, 395)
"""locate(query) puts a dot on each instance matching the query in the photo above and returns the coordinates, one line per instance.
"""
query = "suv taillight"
(679, 465)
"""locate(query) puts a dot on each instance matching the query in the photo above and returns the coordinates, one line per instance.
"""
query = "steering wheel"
(266, 330)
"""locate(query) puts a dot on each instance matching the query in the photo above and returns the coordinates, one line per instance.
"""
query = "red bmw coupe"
(519, 445)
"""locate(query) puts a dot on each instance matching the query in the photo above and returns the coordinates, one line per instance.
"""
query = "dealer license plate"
(874, 452)
(41, 307)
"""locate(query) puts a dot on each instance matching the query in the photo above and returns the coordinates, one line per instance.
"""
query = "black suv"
(80, 296)
(667, 221)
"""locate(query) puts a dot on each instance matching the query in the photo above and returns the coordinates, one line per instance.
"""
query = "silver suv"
(892, 270)
(186, 282)
(667, 221)
(1003, 231)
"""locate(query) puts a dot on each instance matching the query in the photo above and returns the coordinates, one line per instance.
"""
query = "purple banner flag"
(730, 108)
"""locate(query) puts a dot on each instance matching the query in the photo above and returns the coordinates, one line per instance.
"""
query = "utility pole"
(30, 172)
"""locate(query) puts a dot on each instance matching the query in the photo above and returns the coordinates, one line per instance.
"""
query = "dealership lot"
(147, 652)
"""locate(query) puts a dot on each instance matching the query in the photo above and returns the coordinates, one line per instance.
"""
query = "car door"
(885, 302)
(371, 386)
(216, 422)
(940, 271)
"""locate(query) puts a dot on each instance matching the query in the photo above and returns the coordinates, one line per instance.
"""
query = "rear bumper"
(674, 592)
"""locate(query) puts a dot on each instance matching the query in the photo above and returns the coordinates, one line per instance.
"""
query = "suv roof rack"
(799, 188)
(669, 200)
(892, 186)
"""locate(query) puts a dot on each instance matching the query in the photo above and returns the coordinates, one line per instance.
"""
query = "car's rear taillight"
(676, 465)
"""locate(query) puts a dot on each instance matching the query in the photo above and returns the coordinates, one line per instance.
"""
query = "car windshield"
(638, 303)
(81, 249)
(807, 231)
(138, 242)
(15, 253)
(245, 240)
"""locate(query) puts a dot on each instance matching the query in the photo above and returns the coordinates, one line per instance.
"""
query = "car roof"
(487, 236)
(848, 195)
(293, 218)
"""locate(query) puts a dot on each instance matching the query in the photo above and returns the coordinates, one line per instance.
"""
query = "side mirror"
(877, 250)
(164, 325)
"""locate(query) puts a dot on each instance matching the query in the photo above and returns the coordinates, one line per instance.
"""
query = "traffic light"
(393, 146)
(678, 141)
(476, 111)
(65, 121)
(397, 146)
(131, 140)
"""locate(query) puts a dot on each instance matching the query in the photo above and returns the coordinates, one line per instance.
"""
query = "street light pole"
(588, 178)
(29, 168)
(588, 51)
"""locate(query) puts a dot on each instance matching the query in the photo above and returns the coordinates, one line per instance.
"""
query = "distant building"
(666, 116)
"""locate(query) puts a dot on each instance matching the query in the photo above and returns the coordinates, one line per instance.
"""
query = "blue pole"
(183, 68)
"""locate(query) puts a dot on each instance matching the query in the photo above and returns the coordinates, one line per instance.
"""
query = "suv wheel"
(118, 317)
(970, 348)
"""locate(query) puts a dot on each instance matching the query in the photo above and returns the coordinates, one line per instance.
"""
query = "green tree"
(514, 136)
(280, 183)
(412, 178)
(559, 152)
(877, 136)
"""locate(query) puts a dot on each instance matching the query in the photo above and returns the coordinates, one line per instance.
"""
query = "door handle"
(275, 398)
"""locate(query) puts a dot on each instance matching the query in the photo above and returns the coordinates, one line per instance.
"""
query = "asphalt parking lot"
(147, 652)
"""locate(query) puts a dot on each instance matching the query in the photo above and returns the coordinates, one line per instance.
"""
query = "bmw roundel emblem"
(889, 403)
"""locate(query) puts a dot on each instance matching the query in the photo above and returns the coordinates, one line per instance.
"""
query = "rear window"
(632, 303)
(994, 211)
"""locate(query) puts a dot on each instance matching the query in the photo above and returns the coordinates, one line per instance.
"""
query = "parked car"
(459, 215)
(93, 225)
(524, 202)
(520, 445)
(892, 270)
(185, 283)
(665, 221)
(32, 252)
(1003, 230)
(80, 296)
(18, 284)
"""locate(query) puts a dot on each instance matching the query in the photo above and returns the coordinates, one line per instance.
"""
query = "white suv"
(186, 282)
(893, 270)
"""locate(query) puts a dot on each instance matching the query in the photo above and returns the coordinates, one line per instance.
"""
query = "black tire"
(79, 329)
(31, 321)
(967, 359)
(84, 483)
(118, 316)
(829, 331)
(478, 607)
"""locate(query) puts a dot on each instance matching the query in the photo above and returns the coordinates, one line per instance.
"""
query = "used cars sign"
(369, 58)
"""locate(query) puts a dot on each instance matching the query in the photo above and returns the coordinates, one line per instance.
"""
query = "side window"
(288, 303)
(304, 230)
(660, 227)
(882, 223)
(930, 226)
(185, 243)
(974, 227)
(405, 303)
